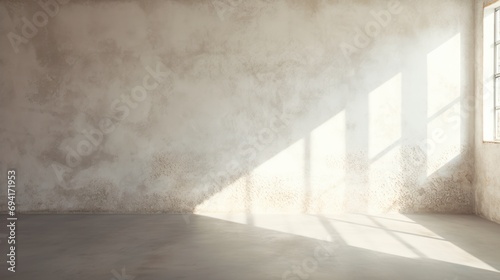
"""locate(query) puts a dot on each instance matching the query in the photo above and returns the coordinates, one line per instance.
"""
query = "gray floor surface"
(348, 246)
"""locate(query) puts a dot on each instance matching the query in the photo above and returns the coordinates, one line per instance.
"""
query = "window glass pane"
(497, 25)
(497, 128)
(497, 59)
(497, 91)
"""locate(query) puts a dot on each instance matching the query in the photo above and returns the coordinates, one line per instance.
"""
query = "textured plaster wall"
(238, 106)
(487, 155)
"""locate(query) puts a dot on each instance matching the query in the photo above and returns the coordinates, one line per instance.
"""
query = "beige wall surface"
(238, 106)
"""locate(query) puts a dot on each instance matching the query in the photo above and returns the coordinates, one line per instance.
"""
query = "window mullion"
(497, 75)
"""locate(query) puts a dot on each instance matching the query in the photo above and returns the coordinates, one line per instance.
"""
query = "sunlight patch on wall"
(443, 104)
(327, 155)
(384, 140)
(289, 161)
(308, 174)
(443, 75)
(385, 115)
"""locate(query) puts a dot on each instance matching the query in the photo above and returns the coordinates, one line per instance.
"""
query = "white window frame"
(491, 73)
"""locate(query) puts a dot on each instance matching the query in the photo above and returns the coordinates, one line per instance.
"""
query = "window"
(491, 73)
(496, 62)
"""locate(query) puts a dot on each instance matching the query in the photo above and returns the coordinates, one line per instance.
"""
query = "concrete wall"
(487, 154)
(238, 106)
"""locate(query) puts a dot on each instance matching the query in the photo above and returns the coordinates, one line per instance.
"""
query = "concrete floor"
(351, 246)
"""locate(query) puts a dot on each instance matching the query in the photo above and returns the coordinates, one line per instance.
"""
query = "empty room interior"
(258, 139)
